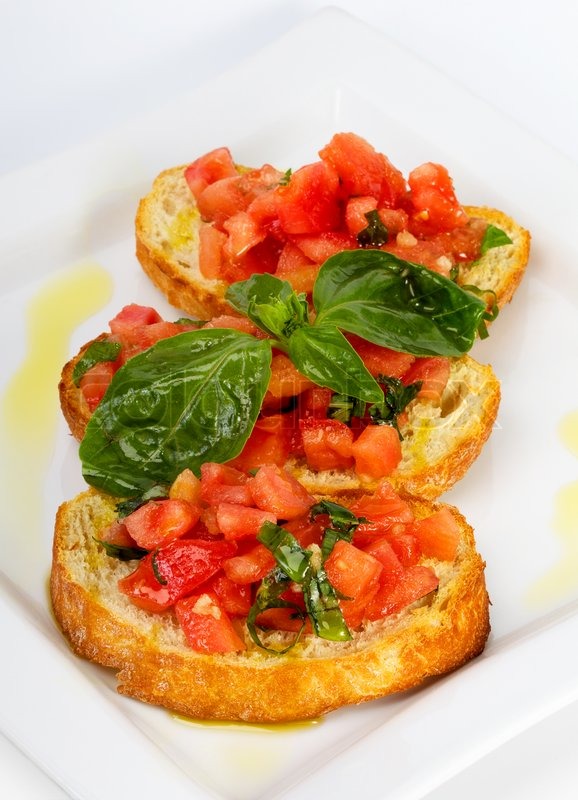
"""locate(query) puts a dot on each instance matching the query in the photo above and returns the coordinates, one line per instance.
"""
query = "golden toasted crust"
(154, 664)
(167, 243)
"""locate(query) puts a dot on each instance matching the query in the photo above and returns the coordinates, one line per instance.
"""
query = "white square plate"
(68, 222)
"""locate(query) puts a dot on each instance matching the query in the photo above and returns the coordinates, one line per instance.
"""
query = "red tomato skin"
(354, 574)
(95, 382)
(327, 443)
(183, 565)
(355, 210)
(363, 171)
(211, 243)
(438, 535)
(159, 521)
(377, 451)
(433, 372)
(222, 483)
(276, 491)
(400, 591)
(406, 547)
(251, 566)
(381, 549)
(235, 598)
(209, 168)
(309, 203)
(133, 316)
(236, 521)
(433, 200)
(269, 443)
(384, 506)
(321, 247)
(381, 360)
(206, 625)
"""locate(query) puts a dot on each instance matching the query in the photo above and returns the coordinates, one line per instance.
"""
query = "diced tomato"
(327, 443)
(276, 491)
(434, 203)
(175, 570)
(270, 442)
(236, 521)
(95, 382)
(251, 566)
(232, 322)
(209, 168)
(381, 360)
(309, 203)
(355, 211)
(160, 521)
(353, 574)
(263, 257)
(363, 171)
(244, 232)
(286, 381)
(394, 220)
(381, 549)
(221, 483)
(206, 625)
(433, 372)
(406, 547)
(133, 316)
(400, 591)
(136, 339)
(384, 506)
(222, 199)
(438, 535)
(377, 451)
(321, 247)
(211, 243)
(117, 534)
(305, 531)
(186, 486)
(235, 598)
(314, 402)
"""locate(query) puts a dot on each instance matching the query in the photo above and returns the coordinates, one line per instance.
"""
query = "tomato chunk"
(276, 491)
(400, 591)
(206, 625)
(377, 451)
(221, 483)
(250, 566)
(208, 168)
(95, 382)
(236, 521)
(175, 570)
(309, 203)
(354, 574)
(433, 372)
(436, 208)
(235, 598)
(438, 535)
(381, 360)
(327, 443)
(160, 521)
(211, 243)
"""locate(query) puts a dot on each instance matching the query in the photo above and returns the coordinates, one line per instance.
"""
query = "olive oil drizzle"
(562, 578)
(29, 406)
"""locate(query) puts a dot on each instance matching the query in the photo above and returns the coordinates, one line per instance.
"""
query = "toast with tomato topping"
(409, 614)
(205, 225)
(438, 437)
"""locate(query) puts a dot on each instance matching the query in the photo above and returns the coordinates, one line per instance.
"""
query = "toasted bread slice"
(154, 664)
(167, 247)
(440, 441)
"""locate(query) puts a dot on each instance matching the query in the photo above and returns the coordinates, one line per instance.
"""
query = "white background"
(71, 70)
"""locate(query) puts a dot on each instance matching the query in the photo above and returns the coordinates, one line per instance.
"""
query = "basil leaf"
(268, 596)
(126, 507)
(343, 407)
(375, 234)
(493, 237)
(97, 352)
(191, 398)
(396, 304)
(270, 303)
(323, 608)
(290, 556)
(397, 398)
(323, 354)
(343, 524)
(122, 552)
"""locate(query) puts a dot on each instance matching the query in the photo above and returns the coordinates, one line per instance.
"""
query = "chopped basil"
(343, 524)
(268, 596)
(493, 237)
(96, 352)
(375, 234)
(126, 507)
(122, 552)
(397, 398)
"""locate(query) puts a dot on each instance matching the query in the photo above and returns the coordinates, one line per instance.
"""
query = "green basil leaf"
(375, 234)
(397, 398)
(290, 556)
(191, 398)
(122, 552)
(97, 352)
(270, 303)
(268, 596)
(323, 354)
(396, 304)
(323, 608)
(493, 237)
(126, 507)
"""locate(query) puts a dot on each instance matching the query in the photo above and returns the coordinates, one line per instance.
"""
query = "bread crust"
(154, 665)
(167, 224)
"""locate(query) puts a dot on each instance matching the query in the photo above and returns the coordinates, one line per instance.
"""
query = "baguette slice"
(167, 243)
(154, 664)
(440, 442)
